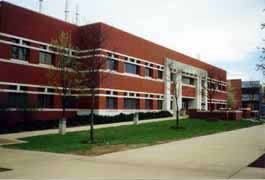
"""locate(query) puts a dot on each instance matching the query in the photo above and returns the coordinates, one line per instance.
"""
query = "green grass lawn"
(147, 133)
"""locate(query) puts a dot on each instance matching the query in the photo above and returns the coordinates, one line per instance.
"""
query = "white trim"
(41, 109)
(188, 85)
(16, 61)
(188, 97)
(113, 112)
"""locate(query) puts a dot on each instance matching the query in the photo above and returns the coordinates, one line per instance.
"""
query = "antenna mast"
(40, 5)
(66, 11)
(77, 15)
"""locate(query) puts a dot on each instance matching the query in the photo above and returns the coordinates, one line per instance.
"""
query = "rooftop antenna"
(40, 5)
(77, 15)
(66, 11)
(199, 56)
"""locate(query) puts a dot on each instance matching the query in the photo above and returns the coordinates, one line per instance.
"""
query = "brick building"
(235, 86)
(139, 73)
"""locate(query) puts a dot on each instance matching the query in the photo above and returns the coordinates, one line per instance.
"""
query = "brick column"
(120, 102)
(120, 66)
(155, 74)
(141, 71)
(34, 56)
(155, 104)
(5, 51)
(142, 104)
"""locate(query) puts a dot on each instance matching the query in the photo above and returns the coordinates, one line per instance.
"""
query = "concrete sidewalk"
(74, 129)
(223, 155)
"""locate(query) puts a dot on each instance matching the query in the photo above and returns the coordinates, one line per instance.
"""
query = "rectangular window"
(159, 104)
(112, 64)
(17, 100)
(131, 68)
(45, 58)
(70, 102)
(148, 104)
(111, 103)
(20, 53)
(131, 103)
(148, 72)
(187, 80)
(45, 101)
(160, 74)
(172, 76)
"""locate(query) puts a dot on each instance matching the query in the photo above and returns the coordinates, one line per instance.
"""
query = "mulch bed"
(259, 163)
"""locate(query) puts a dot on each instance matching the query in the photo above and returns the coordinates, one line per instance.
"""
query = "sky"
(225, 33)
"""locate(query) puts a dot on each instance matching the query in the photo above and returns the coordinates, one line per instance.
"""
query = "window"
(111, 103)
(131, 103)
(159, 104)
(112, 64)
(160, 74)
(23, 88)
(187, 80)
(45, 58)
(20, 53)
(70, 102)
(45, 101)
(17, 100)
(148, 72)
(148, 104)
(131, 68)
(172, 76)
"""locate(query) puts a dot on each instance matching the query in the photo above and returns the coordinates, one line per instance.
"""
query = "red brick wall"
(29, 24)
(236, 88)
(123, 42)
(231, 115)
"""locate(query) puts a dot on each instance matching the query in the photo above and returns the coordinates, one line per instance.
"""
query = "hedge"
(83, 121)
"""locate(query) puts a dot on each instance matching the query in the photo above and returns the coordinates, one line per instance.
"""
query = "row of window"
(133, 69)
(21, 100)
(129, 103)
(23, 53)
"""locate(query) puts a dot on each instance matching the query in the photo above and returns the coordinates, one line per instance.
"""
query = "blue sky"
(225, 33)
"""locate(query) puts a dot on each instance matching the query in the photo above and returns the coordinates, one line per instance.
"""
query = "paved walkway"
(73, 129)
(223, 155)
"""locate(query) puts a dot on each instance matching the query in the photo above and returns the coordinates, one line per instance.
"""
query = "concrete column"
(62, 126)
(136, 118)
(167, 94)
(179, 89)
(205, 93)
(198, 99)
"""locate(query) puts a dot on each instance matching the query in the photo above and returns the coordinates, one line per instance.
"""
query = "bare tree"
(230, 95)
(261, 65)
(94, 69)
(176, 73)
(213, 85)
(67, 76)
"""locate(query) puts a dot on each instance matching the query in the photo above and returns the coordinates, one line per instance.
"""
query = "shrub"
(82, 121)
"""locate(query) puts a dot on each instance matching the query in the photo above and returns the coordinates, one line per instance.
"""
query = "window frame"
(111, 103)
(128, 69)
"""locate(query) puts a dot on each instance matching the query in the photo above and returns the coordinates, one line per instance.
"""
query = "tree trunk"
(177, 117)
(92, 127)
(62, 121)
(92, 140)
